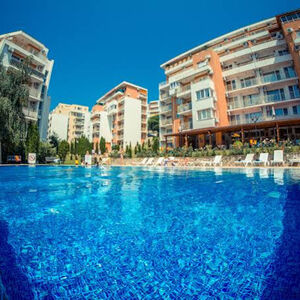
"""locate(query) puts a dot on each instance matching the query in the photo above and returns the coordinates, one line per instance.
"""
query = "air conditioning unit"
(245, 44)
(289, 30)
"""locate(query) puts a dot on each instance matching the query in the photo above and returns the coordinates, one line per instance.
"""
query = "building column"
(209, 137)
(277, 133)
(166, 142)
(243, 135)
(185, 141)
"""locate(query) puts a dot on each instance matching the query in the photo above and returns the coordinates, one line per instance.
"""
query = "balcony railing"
(34, 93)
(184, 107)
(267, 99)
(31, 113)
(166, 108)
(257, 81)
(166, 122)
(186, 126)
(14, 62)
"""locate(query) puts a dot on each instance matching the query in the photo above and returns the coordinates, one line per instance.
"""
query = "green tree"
(33, 138)
(63, 149)
(45, 150)
(54, 141)
(155, 145)
(153, 124)
(102, 145)
(14, 95)
(115, 147)
(83, 145)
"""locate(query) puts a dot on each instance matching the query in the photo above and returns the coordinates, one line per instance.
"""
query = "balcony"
(262, 117)
(240, 41)
(166, 108)
(257, 64)
(259, 101)
(184, 109)
(30, 113)
(257, 82)
(17, 64)
(250, 51)
(190, 73)
(184, 91)
(163, 85)
(178, 67)
(186, 126)
(34, 93)
(166, 122)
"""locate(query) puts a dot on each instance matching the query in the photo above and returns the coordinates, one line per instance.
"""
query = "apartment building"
(153, 108)
(125, 114)
(100, 126)
(248, 76)
(70, 121)
(15, 47)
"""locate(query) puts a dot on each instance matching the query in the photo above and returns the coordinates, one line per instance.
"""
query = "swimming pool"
(145, 233)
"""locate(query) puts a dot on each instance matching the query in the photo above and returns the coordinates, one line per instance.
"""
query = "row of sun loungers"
(263, 160)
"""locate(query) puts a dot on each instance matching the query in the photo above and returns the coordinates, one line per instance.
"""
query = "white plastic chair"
(278, 157)
(263, 159)
(248, 160)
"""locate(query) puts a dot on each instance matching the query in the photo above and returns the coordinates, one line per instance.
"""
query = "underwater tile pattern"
(149, 233)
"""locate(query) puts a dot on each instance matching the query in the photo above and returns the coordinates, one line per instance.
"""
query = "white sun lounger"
(248, 160)
(278, 157)
(294, 160)
(150, 161)
(217, 161)
(263, 159)
(159, 161)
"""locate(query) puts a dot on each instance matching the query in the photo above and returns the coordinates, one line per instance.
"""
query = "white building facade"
(15, 48)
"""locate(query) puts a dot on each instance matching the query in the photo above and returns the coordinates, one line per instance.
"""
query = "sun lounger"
(294, 160)
(263, 159)
(150, 161)
(159, 161)
(278, 157)
(173, 160)
(217, 161)
(248, 160)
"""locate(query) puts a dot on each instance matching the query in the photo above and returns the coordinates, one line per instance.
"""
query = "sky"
(98, 44)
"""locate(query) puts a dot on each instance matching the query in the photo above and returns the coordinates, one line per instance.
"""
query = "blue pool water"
(137, 233)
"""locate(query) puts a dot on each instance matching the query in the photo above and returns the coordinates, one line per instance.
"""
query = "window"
(289, 72)
(248, 81)
(283, 52)
(253, 117)
(294, 91)
(271, 76)
(275, 95)
(174, 85)
(281, 112)
(204, 114)
(235, 119)
(251, 100)
(296, 110)
(202, 94)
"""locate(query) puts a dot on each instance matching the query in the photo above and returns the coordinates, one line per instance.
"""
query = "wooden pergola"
(276, 124)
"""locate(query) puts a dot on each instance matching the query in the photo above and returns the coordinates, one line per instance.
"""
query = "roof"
(218, 39)
(123, 83)
(20, 32)
(258, 125)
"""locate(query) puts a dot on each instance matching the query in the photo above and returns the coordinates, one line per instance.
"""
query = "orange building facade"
(250, 75)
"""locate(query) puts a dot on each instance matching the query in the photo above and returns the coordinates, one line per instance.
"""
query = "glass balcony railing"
(16, 63)
(184, 107)
(166, 108)
(166, 122)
